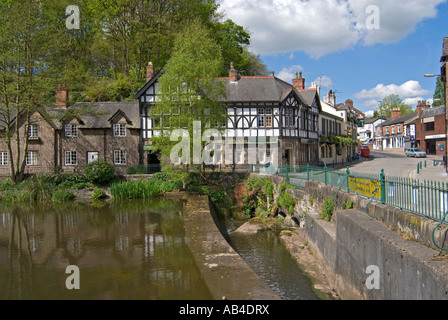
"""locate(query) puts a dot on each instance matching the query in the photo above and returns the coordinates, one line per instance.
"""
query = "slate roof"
(433, 112)
(399, 119)
(373, 120)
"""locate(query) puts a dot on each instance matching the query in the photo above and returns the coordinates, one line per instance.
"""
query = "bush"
(62, 196)
(100, 172)
(99, 194)
(287, 201)
(327, 212)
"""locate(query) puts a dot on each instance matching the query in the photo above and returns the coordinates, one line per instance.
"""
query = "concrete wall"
(371, 234)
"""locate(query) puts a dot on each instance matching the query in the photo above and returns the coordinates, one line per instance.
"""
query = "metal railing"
(425, 198)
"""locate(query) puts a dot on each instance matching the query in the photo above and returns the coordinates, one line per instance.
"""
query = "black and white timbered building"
(257, 107)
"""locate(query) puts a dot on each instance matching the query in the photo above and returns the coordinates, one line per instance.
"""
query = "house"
(68, 138)
(391, 135)
(256, 107)
(431, 130)
(331, 124)
(367, 133)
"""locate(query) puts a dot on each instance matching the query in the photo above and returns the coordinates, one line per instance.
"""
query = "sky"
(363, 50)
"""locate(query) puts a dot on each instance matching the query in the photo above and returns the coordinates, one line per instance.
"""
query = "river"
(126, 250)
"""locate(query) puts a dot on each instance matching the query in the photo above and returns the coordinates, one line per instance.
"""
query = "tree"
(440, 94)
(188, 91)
(392, 102)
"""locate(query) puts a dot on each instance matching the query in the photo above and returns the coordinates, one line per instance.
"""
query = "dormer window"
(71, 131)
(33, 132)
(119, 130)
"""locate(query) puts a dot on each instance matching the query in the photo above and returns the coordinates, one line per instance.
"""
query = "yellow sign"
(365, 187)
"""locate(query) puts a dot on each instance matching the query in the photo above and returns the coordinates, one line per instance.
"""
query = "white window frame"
(33, 131)
(4, 159)
(31, 158)
(119, 130)
(71, 158)
(120, 157)
(71, 131)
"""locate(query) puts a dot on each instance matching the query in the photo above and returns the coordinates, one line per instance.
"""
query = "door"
(288, 153)
(92, 157)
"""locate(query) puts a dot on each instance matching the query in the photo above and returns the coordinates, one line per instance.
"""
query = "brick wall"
(422, 133)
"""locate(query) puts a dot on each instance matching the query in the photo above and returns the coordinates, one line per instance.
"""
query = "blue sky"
(328, 41)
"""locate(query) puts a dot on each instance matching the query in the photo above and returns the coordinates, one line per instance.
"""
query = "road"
(398, 165)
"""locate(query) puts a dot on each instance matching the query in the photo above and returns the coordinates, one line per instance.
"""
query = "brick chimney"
(61, 96)
(298, 82)
(349, 103)
(233, 73)
(396, 112)
(149, 72)
(422, 105)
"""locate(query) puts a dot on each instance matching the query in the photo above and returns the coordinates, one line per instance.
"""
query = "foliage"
(348, 204)
(187, 89)
(440, 93)
(392, 102)
(328, 210)
(99, 194)
(342, 141)
(287, 201)
(62, 196)
(312, 200)
(100, 172)
(261, 195)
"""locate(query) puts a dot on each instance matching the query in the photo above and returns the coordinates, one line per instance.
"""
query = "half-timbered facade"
(257, 107)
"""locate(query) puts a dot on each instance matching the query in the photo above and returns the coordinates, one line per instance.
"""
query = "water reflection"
(125, 250)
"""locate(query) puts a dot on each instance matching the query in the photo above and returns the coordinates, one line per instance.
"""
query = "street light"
(431, 75)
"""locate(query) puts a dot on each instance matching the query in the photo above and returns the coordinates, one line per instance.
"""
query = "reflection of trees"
(17, 263)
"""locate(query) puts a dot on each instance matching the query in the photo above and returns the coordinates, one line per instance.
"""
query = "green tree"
(440, 94)
(188, 91)
(392, 102)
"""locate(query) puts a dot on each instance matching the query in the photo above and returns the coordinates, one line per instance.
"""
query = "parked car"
(369, 141)
(416, 153)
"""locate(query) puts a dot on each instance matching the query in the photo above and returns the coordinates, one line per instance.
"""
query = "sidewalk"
(435, 173)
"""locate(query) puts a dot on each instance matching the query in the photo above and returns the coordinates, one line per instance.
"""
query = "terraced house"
(67, 139)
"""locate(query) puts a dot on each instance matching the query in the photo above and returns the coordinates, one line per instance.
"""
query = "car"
(416, 153)
(369, 141)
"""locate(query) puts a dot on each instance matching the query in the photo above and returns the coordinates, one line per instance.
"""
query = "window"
(120, 157)
(71, 158)
(71, 131)
(31, 158)
(430, 126)
(33, 132)
(119, 130)
(4, 159)
(268, 118)
(261, 119)
(289, 118)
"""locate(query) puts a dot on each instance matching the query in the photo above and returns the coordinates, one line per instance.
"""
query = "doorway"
(288, 156)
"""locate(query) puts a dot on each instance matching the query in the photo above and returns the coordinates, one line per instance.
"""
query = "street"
(398, 165)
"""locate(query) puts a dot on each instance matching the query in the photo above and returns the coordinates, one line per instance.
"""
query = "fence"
(426, 198)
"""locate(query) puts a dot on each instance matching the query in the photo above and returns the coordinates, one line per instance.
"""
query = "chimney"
(349, 103)
(149, 72)
(396, 112)
(298, 82)
(422, 105)
(61, 96)
(233, 73)
(330, 98)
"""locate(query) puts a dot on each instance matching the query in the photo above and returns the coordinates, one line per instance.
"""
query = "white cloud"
(325, 26)
(324, 82)
(411, 92)
(370, 114)
(287, 74)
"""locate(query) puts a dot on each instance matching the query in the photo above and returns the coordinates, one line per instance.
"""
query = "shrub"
(287, 201)
(348, 204)
(327, 211)
(62, 196)
(100, 172)
(99, 194)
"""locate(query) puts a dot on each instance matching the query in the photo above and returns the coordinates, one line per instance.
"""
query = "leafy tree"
(188, 91)
(391, 103)
(440, 94)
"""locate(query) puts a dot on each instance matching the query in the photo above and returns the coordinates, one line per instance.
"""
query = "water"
(127, 250)
(268, 257)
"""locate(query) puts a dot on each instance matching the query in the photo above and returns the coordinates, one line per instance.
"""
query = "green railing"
(427, 198)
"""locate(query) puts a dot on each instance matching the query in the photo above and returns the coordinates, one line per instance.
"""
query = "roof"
(256, 89)
(433, 112)
(98, 115)
(373, 120)
(400, 119)
(148, 84)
